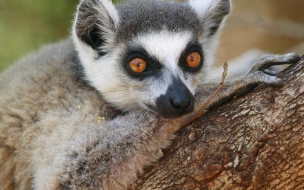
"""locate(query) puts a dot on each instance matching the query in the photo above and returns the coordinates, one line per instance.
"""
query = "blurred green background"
(25, 25)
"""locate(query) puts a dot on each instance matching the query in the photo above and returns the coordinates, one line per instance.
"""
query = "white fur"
(100, 73)
(107, 10)
(202, 6)
(165, 45)
(108, 5)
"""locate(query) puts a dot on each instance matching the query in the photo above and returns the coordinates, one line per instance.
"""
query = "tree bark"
(253, 142)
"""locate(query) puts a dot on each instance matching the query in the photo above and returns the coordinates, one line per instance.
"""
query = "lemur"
(92, 112)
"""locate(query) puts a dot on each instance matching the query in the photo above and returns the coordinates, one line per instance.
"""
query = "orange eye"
(138, 65)
(193, 59)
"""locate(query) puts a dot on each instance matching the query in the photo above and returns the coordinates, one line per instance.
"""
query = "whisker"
(106, 76)
(124, 90)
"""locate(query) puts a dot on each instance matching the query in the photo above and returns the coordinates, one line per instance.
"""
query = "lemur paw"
(262, 77)
(269, 60)
(257, 74)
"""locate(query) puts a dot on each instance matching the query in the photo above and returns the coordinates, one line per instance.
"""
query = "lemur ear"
(96, 23)
(211, 13)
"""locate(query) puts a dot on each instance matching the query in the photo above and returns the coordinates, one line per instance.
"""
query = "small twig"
(204, 107)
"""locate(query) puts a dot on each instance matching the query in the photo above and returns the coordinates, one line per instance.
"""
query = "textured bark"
(253, 142)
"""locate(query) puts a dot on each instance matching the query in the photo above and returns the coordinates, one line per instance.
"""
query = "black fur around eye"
(192, 59)
(140, 65)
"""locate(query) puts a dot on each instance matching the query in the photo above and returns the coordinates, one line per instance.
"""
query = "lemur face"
(146, 54)
(162, 69)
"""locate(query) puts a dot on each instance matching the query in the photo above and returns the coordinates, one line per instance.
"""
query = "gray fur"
(214, 17)
(58, 132)
(140, 17)
(34, 92)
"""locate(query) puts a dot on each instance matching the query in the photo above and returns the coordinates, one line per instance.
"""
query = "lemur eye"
(138, 65)
(193, 59)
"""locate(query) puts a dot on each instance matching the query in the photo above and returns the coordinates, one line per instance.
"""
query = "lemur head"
(149, 54)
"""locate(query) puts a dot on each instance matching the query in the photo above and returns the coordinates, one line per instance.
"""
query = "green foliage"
(25, 25)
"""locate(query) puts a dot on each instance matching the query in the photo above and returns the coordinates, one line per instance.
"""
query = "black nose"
(180, 104)
(176, 102)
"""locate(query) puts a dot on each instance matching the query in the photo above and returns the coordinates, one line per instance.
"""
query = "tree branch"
(253, 142)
